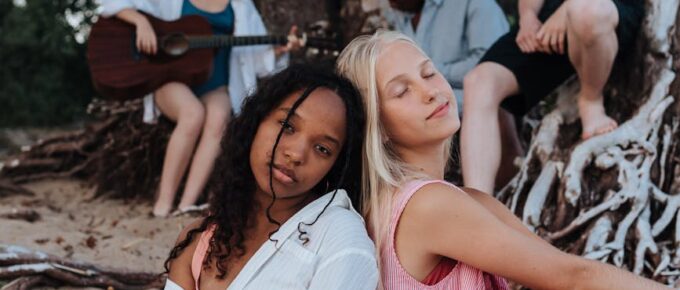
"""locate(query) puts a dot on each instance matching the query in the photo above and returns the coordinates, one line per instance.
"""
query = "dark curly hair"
(232, 184)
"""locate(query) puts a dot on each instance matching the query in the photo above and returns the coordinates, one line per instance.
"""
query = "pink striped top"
(462, 277)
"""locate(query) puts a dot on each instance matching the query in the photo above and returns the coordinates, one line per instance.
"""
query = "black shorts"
(538, 74)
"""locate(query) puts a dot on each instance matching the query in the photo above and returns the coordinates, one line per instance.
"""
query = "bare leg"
(591, 34)
(484, 89)
(511, 148)
(218, 110)
(178, 103)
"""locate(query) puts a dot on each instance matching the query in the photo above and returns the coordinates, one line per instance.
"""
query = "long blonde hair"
(383, 171)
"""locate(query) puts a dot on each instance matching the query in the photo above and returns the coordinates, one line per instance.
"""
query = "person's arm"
(529, 24)
(501, 212)
(109, 8)
(485, 23)
(460, 228)
(146, 37)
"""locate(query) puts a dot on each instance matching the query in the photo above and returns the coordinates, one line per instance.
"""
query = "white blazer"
(246, 62)
(339, 254)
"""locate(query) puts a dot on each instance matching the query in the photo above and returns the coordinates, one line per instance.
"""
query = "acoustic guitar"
(185, 54)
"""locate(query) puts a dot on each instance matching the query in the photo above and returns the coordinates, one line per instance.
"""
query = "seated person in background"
(201, 112)
(555, 38)
(454, 33)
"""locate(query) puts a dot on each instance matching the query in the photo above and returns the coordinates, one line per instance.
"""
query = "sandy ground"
(103, 231)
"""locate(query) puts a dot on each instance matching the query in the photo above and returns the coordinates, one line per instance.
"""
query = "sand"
(103, 231)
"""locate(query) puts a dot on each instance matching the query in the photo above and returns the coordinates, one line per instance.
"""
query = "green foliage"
(44, 79)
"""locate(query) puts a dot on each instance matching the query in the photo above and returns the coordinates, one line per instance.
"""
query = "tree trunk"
(613, 197)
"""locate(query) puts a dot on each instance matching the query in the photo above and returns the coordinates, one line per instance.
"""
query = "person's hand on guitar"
(146, 37)
(294, 42)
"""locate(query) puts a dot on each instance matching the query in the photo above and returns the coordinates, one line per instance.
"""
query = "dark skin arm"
(180, 267)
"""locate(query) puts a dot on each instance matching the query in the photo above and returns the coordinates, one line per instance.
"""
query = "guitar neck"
(215, 41)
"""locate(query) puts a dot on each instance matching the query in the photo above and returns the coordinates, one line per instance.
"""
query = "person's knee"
(170, 87)
(191, 118)
(216, 121)
(591, 19)
(481, 89)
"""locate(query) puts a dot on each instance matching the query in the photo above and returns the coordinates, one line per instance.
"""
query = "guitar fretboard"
(225, 40)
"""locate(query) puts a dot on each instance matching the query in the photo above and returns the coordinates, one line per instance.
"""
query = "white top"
(339, 254)
(246, 62)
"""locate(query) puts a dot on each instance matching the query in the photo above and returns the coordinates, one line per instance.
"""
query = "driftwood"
(28, 215)
(116, 151)
(7, 187)
(613, 197)
(27, 269)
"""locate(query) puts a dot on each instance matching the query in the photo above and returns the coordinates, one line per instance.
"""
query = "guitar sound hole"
(175, 44)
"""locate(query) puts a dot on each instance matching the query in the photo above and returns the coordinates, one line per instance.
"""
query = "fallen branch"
(17, 262)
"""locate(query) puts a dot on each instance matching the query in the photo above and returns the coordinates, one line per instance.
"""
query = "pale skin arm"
(459, 227)
(501, 212)
(529, 25)
(146, 37)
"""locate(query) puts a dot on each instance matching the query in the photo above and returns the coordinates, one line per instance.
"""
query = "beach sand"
(75, 224)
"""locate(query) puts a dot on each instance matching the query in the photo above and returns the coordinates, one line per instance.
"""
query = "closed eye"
(403, 92)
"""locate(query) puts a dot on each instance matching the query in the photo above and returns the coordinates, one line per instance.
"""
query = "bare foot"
(594, 119)
(161, 210)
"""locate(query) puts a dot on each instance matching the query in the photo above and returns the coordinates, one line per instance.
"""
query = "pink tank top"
(199, 254)
(447, 275)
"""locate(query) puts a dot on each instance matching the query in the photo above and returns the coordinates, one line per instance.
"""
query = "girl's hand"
(294, 42)
(146, 37)
(551, 37)
(526, 39)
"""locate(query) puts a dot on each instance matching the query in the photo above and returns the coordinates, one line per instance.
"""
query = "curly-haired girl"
(279, 218)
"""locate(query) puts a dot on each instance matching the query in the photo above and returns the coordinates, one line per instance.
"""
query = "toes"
(586, 135)
(606, 129)
(611, 126)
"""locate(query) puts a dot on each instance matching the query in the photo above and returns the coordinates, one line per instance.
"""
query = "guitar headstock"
(320, 40)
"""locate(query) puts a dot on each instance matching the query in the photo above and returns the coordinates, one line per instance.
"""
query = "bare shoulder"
(472, 191)
(195, 224)
(434, 199)
(478, 195)
(180, 265)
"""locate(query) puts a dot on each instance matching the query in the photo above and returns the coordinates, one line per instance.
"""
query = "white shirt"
(339, 254)
(246, 62)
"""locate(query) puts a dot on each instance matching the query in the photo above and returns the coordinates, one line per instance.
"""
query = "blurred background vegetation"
(44, 79)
